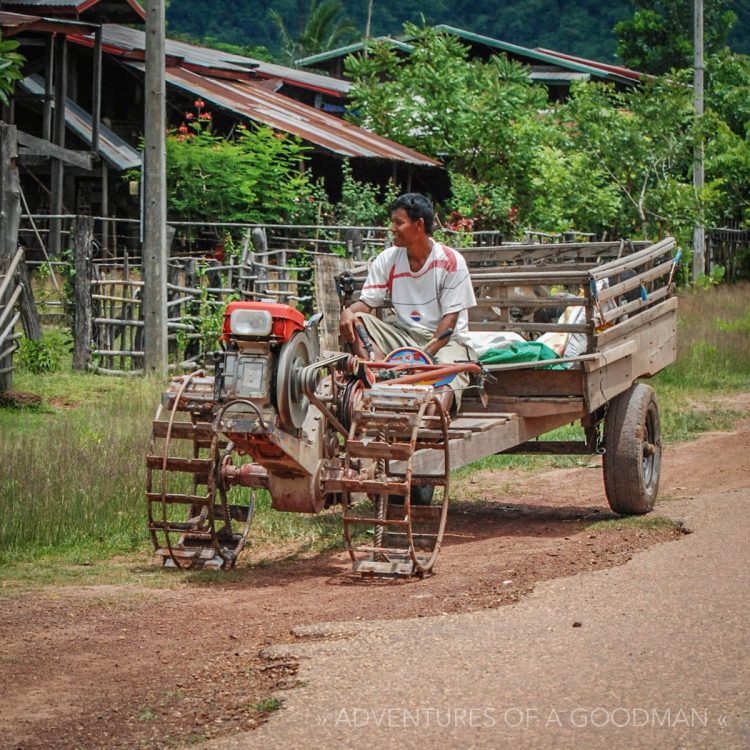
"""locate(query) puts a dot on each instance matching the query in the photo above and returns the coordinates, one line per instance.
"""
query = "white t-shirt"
(420, 299)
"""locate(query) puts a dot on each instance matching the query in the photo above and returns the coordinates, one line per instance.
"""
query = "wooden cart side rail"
(641, 279)
(551, 253)
(630, 262)
(652, 334)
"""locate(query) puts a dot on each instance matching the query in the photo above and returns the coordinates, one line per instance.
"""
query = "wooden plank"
(639, 304)
(33, 146)
(655, 346)
(500, 326)
(327, 270)
(636, 281)
(632, 261)
(634, 322)
(528, 383)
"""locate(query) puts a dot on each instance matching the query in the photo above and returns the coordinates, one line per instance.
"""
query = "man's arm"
(446, 322)
(349, 318)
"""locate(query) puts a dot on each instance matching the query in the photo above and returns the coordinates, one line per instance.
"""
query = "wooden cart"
(620, 303)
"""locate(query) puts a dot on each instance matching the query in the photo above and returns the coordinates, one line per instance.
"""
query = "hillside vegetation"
(583, 28)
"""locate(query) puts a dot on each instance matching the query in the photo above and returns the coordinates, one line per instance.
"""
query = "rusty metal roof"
(76, 7)
(132, 43)
(255, 102)
(113, 149)
(16, 23)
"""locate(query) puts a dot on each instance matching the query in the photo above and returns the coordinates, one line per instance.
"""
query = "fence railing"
(729, 247)
(211, 264)
(10, 314)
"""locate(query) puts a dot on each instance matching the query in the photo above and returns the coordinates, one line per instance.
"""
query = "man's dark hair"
(417, 206)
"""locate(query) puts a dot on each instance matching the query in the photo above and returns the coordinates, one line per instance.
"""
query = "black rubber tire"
(632, 458)
(418, 495)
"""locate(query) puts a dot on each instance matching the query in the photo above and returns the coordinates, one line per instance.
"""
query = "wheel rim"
(651, 448)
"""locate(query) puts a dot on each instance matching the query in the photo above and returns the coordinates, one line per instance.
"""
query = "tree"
(253, 175)
(479, 118)
(320, 27)
(641, 143)
(659, 36)
(11, 64)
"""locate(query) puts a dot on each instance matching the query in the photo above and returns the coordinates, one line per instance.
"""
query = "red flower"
(182, 129)
(204, 116)
(199, 104)
(189, 115)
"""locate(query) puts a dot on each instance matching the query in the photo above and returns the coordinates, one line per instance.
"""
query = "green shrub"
(45, 355)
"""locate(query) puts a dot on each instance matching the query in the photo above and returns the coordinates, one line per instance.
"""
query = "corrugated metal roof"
(43, 3)
(532, 54)
(566, 76)
(260, 105)
(569, 62)
(134, 40)
(619, 70)
(349, 49)
(113, 149)
(71, 6)
(16, 23)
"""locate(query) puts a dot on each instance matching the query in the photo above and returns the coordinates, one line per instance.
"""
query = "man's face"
(404, 230)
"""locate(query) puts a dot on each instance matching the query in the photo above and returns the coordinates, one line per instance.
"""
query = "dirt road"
(606, 628)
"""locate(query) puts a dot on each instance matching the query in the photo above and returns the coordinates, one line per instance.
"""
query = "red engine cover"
(286, 320)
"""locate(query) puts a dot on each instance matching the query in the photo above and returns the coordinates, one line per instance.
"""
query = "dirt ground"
(125, 667)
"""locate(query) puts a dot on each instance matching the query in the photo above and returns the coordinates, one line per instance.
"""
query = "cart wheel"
(632, 458)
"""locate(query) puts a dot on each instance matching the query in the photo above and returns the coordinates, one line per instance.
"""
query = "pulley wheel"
(291, 402)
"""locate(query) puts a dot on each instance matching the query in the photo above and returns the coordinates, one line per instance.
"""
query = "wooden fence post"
(10, 217)
(29, 314)
(84, 235)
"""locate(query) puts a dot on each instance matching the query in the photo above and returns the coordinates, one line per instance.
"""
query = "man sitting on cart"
(429, 288)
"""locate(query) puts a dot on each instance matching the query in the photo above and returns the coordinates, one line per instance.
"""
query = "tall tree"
(320, 26)
(659, 36)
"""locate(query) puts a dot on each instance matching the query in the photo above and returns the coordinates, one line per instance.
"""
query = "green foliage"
(440, 103)
(11, 65)
(659, 36)
(477, 205)
(251, 176)
(363, 204)
(607, 162)
(268, 705)
(583, 27)
(707, 280)
(46, 355)
(726, 129)
(320, 26)
(208, 320)
(639, 143)
(570, 192)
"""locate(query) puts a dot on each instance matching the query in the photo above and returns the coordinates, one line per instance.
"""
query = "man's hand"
(443, 333)
(348, 320)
